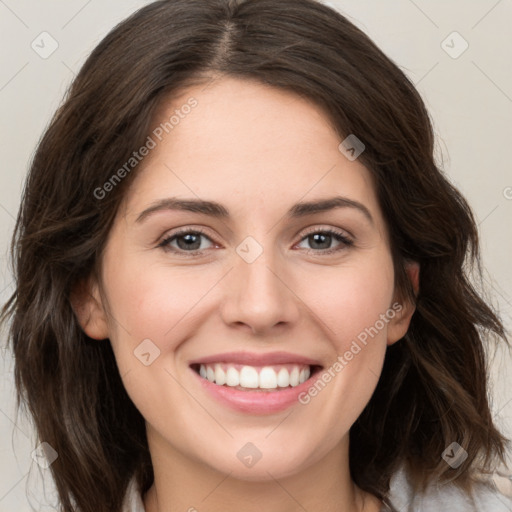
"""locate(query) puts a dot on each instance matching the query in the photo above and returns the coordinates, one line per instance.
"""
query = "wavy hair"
(433, 388)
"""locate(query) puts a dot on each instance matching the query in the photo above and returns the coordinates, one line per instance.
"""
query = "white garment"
(446, 498)
(133, 499)
(443, 499)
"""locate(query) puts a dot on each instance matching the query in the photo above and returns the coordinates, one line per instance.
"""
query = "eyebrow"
(219, 211)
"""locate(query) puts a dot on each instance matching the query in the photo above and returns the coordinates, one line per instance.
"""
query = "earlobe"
(398, 326)
(88, 308)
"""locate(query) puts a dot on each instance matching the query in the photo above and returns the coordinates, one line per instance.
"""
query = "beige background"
(469, 97)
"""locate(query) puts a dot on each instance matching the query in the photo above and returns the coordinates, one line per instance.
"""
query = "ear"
(399, 324)
(88, 307)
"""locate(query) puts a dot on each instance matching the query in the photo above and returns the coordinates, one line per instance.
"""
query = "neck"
(183, 483)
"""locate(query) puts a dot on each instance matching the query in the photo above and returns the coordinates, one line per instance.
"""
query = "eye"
(321, 240)
(187, 240)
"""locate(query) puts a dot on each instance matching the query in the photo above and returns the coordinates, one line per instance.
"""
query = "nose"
(259, 296)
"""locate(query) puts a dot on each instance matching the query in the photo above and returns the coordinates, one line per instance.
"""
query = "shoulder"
(437, 498)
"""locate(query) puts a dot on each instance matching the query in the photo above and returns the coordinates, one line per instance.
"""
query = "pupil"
(189, 241)
(324, 237)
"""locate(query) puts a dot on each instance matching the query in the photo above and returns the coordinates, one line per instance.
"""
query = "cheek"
(155, 302)
(150, 302)
(349, 299)
(354, 303)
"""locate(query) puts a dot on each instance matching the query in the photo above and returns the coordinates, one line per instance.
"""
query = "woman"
(181, 340)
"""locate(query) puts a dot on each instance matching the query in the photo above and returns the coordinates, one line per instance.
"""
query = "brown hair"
(433, 386)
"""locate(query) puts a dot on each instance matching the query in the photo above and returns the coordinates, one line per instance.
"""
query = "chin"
(266, 464)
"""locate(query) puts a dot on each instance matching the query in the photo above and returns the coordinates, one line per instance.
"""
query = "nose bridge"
(258, 295)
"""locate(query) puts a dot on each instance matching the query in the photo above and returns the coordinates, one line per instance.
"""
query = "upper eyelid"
(303, 233)
(314, 229)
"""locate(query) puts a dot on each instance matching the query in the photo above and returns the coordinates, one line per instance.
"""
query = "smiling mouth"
(256, 378)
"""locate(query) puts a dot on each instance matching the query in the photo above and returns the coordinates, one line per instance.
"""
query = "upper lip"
(256, 359)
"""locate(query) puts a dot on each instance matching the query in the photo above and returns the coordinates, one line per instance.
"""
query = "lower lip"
(256, 402)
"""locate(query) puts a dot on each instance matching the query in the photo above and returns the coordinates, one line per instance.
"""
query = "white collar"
(133, 499)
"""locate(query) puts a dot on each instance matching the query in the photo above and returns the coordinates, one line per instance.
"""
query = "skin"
(257, 151)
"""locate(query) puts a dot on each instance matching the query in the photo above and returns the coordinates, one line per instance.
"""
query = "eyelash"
(339, 236)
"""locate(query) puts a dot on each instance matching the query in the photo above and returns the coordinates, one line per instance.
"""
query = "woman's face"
(261, 297)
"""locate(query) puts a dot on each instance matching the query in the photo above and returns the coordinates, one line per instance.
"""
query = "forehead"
(247, 144)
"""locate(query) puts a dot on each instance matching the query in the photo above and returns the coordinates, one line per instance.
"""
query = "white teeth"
(283, 378)
(220, 375)
(248, 377)
(268, 377)
(210, 374)
(232, 377)
(294, 377)
(304, 375)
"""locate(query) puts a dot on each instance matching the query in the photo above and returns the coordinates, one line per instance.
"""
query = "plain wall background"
(469, 98)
